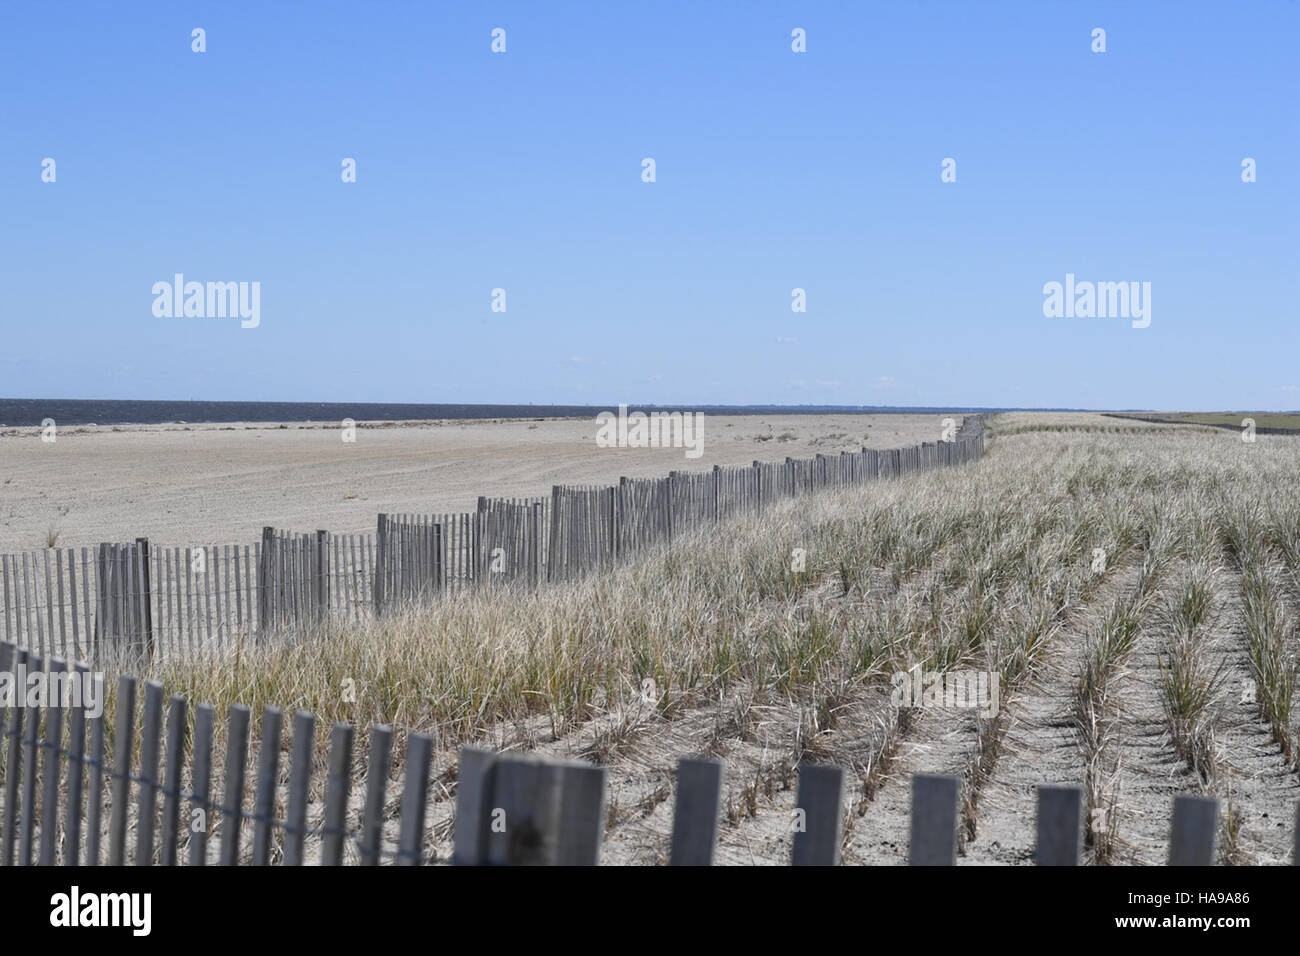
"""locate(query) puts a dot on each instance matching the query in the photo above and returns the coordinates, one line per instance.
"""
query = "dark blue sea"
(31, 411)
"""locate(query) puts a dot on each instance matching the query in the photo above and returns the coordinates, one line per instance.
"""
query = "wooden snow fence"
(65, 799)
(125, 602)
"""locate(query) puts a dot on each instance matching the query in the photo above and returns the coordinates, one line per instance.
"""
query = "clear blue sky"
(775, 170)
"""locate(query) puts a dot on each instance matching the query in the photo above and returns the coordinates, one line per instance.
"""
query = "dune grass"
(975, 567)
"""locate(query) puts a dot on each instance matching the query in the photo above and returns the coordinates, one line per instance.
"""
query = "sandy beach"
(188, 485)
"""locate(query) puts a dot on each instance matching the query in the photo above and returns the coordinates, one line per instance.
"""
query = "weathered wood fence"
(163, 807)
(124, 601)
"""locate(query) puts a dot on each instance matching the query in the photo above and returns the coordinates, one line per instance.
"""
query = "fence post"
(323, 574)
(9, 606)
(819, 817)
(264, 591)
(232, 803)
(525, 795)
(121, 769)
(553, 542)
(1194, 831)
(32, 747)
(12, 729)
(534, 544)
(1060, 825)
(176, 727)
(582, 814)
(668, 506)
(295, 823)
(934, 821)
(419, 755)
(95, 791)
(336, 795)
(150, 741)
(268, 764)
(695, 814)
(203, 717)
(381, 563)
(612, 543)
(473, 813)
(53, 747)
(146, 594)
(372, 823)
(76, 761)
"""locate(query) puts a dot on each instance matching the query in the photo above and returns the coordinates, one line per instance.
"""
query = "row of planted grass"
(718, 609)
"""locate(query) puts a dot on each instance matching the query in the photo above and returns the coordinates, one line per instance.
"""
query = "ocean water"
(16, 412)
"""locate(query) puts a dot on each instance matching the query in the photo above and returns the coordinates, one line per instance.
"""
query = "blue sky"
(775, 170)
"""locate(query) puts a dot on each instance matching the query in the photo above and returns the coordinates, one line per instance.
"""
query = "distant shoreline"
(29, 412)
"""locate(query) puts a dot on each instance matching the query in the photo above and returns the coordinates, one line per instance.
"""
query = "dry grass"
(721, 610)
(972, 567)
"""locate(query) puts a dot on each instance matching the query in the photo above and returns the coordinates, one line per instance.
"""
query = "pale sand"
(185, 485)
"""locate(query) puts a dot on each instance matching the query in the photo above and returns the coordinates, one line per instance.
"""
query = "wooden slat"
(248, 590)
(207, 599)
(225, 581)
(419, 756)
(1194, 833)
(695, 813)
(31, 766)
(525, 801)
(9, 606)
(819, 816)
(32, 610)
(295, 824)
(268, 765)
(934, 820)
(13, 766)
(176, 730)
(582, 814)
(473, 811)
(337, 783)
(200, 803)
(123, 741)
(218, 612)
(169, 589)
(49, 601)
(232, 801)
(189, 599)
(63, 627)
(76, 763)
(381, 745)
(1060, 825)
(77, 653)
(150, 746)
(95, 789)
